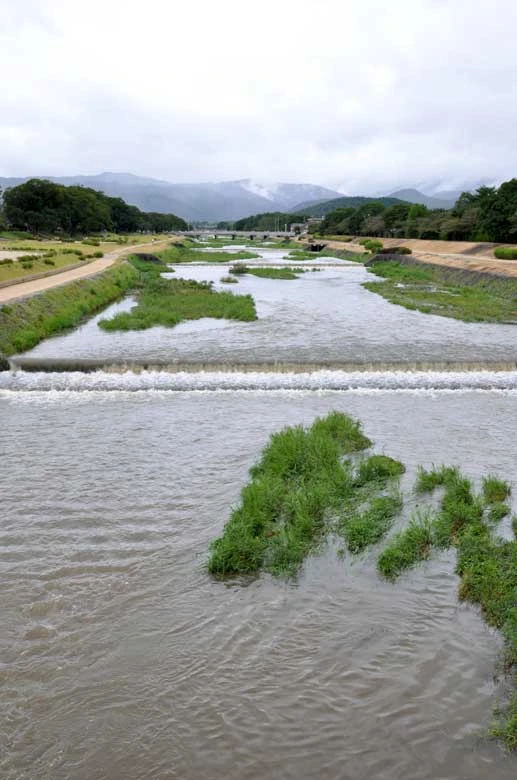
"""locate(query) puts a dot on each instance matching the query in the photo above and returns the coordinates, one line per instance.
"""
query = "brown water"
(121, 659)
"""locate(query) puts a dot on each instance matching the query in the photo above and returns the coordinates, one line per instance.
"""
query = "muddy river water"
(121, 659)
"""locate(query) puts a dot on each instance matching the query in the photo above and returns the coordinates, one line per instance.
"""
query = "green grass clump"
(497, 511)
(486, 564)
(427, 481)
(303, 254)
(284, 511)
(25, 323)
(189, 254)
(504, 727)
(275, 273)
(371, 525)
(344, 430)
(238, 269)
(446, 292)
(495, 490)
(170, 301)
(409, 547)
(379, 468)
(229, 280)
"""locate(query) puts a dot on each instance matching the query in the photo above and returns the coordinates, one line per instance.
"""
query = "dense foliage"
(355, 201)
(40, 206)
(270, 220)
(489, 214)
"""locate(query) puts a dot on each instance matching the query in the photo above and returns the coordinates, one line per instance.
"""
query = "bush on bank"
(506, 252)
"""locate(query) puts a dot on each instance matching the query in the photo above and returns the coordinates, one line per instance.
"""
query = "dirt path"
(455, 254)
(25, 289)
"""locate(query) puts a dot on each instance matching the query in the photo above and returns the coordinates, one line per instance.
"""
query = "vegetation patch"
(307, 483)
(486, 563)
(445, 292)
(167, 302)
(267, 273)
(372, 524)
(408, 548)
(188, 254)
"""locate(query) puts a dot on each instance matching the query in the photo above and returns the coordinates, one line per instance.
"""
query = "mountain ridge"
(232, 200)
(203, 202)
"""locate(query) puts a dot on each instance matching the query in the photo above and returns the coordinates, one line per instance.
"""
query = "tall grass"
(486, 563)
(284, 510)
(170, 301)
(446, 292)
(408, 548)
(190, 254)
(25, 323)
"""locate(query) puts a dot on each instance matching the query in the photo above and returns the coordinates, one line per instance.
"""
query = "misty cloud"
(361, 96)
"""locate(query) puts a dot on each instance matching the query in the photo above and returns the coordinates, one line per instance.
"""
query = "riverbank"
(471, 296)
(23, 324)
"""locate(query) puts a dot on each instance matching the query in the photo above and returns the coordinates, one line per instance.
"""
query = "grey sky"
(359, 95)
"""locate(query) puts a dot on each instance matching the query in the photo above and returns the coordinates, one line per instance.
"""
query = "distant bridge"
(260, 235)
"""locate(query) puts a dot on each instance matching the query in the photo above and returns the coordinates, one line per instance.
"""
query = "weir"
(87, 365)
(258, 378)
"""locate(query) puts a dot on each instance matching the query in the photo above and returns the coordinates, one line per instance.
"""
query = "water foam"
(130, 381)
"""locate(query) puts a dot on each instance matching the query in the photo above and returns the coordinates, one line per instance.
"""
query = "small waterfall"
(264, 378)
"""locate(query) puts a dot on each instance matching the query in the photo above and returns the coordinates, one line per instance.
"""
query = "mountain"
(205, 202)
(321, 209)
(445, 199)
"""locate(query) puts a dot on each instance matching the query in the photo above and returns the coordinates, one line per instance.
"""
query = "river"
(122, 659)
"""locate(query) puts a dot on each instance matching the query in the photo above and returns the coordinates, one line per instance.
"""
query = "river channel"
(121, 659)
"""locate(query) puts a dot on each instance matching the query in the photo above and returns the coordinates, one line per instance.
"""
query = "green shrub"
(238, 269)
(49, 261)
(372, 245)
(395, 250)
(506, 252)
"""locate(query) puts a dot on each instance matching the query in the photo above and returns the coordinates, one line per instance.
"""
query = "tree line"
(489, 214)
(269, 221)
(41, 206)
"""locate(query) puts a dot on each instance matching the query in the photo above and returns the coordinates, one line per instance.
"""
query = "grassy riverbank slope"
(446, 291)
(25, 323)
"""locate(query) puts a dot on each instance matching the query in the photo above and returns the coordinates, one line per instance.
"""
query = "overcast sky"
(360, 95)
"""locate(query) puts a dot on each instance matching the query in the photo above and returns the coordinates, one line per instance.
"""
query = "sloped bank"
(471, 296)
(24, 323)
(160, 301)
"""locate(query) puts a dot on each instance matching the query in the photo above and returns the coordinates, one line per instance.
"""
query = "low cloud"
(362, 96)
